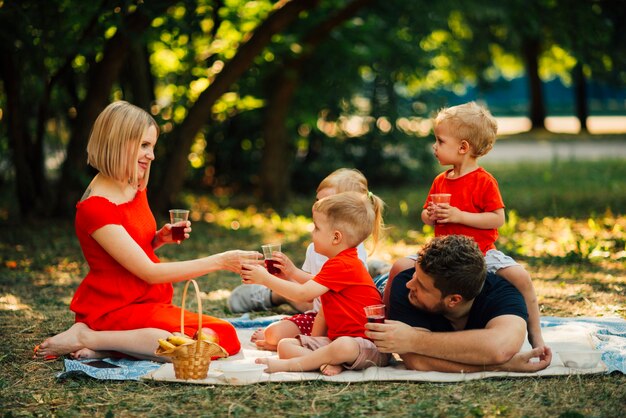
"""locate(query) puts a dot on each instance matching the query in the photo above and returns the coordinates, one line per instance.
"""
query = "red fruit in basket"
(209, 335)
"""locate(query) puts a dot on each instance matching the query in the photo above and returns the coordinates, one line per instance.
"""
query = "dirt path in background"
(511, 150)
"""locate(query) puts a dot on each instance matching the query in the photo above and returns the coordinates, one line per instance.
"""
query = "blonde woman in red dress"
(124, 304)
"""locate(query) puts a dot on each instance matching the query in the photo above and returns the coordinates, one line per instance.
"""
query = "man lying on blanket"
(447, 314)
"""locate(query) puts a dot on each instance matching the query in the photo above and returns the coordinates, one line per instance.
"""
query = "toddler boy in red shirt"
(342, 221)
(463, 134)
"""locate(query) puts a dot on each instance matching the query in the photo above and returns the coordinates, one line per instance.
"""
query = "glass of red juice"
(375, 313)
(270, 263)
(440, 198)
(178, 219)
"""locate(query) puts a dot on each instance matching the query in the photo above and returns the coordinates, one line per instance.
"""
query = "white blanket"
(570, 336)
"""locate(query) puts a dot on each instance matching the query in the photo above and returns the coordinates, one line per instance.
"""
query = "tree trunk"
(27, 145)
(20, 142)
(199, 114)
(277, 156)
(580, 97)
(138, 79)
(75, 177)
(384, 103)
(277, 153)
(531, 50)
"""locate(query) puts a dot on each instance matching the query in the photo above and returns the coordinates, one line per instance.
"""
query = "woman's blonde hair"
(352, 180)
(355, 214)
(472, 123)
(115, 140)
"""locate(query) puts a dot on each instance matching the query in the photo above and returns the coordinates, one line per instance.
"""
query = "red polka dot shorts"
(304, 321)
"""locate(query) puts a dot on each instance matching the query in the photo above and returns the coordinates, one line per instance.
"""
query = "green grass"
(558, 189)
(577, 190)
(566, 223)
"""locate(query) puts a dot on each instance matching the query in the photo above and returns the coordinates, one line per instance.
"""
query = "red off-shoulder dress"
(111, 297)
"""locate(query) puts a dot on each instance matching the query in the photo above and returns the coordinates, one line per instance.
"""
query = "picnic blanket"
(607, 335)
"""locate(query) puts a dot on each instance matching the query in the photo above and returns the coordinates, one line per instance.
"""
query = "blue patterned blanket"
(609, 335)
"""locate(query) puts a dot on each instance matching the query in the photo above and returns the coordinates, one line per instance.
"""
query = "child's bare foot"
(64, 343)
(259, 334)
(331, 369)
(273, 364)
(264, 345)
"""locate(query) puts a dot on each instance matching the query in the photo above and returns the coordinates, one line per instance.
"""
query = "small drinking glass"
(178, 219)
(375, 313)
(270, 264)
(438, 198)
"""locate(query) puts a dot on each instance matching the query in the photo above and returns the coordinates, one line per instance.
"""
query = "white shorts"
(497, 260)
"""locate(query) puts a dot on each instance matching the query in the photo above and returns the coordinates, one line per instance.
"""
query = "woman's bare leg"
(140, 343)
(66, 342)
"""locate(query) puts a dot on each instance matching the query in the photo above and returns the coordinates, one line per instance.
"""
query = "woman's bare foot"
(259, 334)
(86, 353)
(331, 369)
(274, 364)
(64, 343)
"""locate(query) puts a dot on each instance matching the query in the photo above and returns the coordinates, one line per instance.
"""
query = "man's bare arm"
(496, 344)
(520, 362)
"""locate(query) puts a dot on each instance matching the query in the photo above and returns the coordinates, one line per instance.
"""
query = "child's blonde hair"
(356, 215)
(345, 180)
(473, 123)
(113, 146)
(352, 180)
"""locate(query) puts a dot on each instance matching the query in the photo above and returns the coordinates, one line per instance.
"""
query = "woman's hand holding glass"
(170, 236)
(164, 235)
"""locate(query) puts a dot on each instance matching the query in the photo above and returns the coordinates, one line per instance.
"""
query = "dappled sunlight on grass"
(10, 302)
(593, 239)
(578, 294)
(267, 223)
(390, 250)
(65, 272)
(578, 265)
(598, 240)
(59, 273)
(220, 294)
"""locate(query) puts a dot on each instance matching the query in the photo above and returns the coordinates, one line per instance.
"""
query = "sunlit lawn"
(566, 224)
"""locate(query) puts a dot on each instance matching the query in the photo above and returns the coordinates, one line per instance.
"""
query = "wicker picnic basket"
(192, 360)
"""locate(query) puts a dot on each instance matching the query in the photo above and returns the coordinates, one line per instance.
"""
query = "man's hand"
(521, 362)
(392, 336)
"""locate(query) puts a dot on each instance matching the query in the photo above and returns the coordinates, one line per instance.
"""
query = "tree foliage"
(269, 96)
